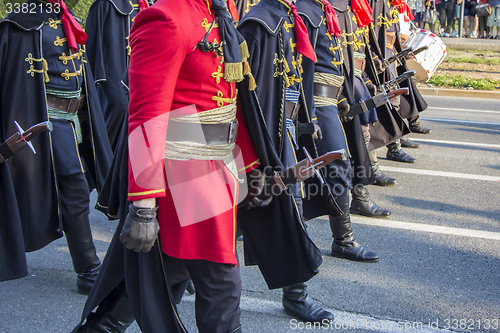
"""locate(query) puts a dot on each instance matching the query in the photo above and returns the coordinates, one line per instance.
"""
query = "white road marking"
(426, 228)
(460, 143)
(445, 120)
(442, 173)
(462, 110)
(343, 320)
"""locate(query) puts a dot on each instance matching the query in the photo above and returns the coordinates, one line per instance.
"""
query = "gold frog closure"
(32, 70)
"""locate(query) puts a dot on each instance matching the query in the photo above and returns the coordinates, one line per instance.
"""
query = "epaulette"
(271, 20)
(340, 5)
(313, 12)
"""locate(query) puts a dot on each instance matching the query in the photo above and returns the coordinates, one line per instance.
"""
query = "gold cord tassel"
(246, 68)
(233, 72)
(244, 51)
(247, 71)
(252, 85)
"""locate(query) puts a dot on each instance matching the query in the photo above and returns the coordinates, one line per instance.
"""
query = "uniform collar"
(340, 5)
(26, 21)
(281, 5)
(269, 13)
(312, 10)
(124, 7)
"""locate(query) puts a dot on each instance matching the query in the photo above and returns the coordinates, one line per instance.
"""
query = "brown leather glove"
(317, 132)
(379, 66)
(140, 229)
(371, 88)
(343, 108)
(256, 181)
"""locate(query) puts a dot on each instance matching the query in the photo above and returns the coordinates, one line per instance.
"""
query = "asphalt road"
(440, 250)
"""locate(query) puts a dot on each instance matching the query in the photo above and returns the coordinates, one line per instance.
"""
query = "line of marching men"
(125, 99)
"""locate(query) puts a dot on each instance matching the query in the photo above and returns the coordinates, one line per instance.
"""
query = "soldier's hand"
(317, 132)
(343, 108)
(371, 88)
(256, 181)
(140, 228)
(379, 66)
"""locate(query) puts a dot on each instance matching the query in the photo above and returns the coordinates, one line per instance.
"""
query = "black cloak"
(29, 208)
(362, 171)
(275, 235)
(108, 27)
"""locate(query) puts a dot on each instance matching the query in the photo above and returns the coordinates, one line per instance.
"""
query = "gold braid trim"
(53, 24)
(208, 6)
(66, 75)
(250, 5)
(292, 79)
(185, 150)
(32, 70)
(60, 41)
(287, 26)
(205, 24)
(64, 58)
(321, 101)
(328, 79)
(286, 69)
(219, 98)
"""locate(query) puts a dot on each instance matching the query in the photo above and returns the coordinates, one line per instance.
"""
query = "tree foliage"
(80, 7)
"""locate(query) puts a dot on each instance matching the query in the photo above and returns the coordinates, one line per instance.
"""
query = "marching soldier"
(414, 99)
(385, 44)
(152, 281)
(352, 44)
(326, 79)
(198, 246)
(108, 51)
(278, 43)
(47, 194)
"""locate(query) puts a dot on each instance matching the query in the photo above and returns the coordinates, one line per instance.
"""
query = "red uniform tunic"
(168, 73)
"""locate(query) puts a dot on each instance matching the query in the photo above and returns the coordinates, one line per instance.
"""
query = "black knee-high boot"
(296, 300)
(381, 179)
(297, 303)
(362, 204)
(83, 252)
(396, 153)
(344, 244)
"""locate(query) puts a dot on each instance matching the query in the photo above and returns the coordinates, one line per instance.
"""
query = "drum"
(425, 63)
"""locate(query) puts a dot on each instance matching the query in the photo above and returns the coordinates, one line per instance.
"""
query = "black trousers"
(218, 290)
(74, 197)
